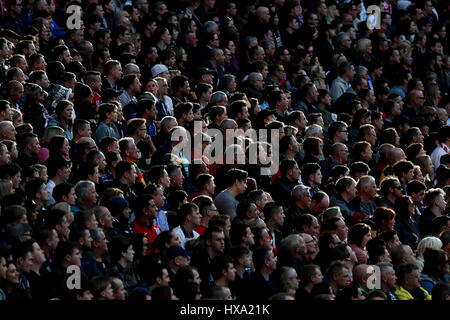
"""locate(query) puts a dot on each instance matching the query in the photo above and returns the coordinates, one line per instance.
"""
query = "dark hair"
(60, 190)
(357, 232)
(260, 255)
(403, 270)
(235, 174)
(117, 246)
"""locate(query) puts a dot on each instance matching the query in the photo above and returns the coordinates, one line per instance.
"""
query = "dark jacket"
(281, 191)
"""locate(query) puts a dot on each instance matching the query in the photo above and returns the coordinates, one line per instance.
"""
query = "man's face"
(342, 278)
(26, 263)
(272, 261)
(44, 195)
(314, 230)
(412, 281)
(159, 198)
(121, 292)
(249, 238)
(165, 279)
(310, 244)
(92, 197)
(195, 218)
(279, 217)
(301, 247)
(217, 242)
(152, 209)
(177, 179)
(38, 254)
(230, 273)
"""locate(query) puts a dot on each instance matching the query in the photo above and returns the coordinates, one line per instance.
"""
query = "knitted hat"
(116, 205)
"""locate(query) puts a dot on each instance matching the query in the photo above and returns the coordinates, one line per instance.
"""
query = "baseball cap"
(204, 70)
(16, 230)
(176, 251)
(110, 93)
(263, 114)
(158, 69)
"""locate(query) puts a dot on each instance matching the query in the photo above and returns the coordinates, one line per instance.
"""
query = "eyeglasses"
(343, 131)
(398, 187)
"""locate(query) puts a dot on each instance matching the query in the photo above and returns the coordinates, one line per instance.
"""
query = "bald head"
(395, 155)
(7, 130)
(228, 124)
(263, 14)
(360, 274)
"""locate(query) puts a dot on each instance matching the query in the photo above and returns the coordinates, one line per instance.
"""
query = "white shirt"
(181, 235)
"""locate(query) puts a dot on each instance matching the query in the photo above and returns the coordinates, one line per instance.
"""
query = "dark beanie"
(116, 205)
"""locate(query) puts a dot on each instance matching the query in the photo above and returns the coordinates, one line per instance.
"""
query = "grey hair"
(361, 70)
(338, 146)
(125, 144)
(4, 125)
(227, 124)
(341, 36)
(364, 182)
(82, 189)
(165, 122)
(289, 243)
(313, 130)
(384, 265)
(130, 68)
(210, 26)
(248, 40)
(253, 76)
(299, 191)
(217, 96)
(266, 44)
(95, 233)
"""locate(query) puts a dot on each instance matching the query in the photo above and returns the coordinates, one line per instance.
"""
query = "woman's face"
(175, 240)
(165, 88)
(430, 166)
(14, 153)
(276, 20)
(16, 180)
(12, 275)
(65, 148)
(365, 239)
(3, 268)
(411, 208)
(152, 87)
(232, 85)
(183, 56)
(231, 46)
(67, 113)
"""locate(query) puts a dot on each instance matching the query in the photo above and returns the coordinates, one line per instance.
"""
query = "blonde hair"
(64, 206)
(50, 132)
(362, 45)
(160, 81)
(16, 115)
(290, 130)
(427, 243)
(5, 188)
(108, 194)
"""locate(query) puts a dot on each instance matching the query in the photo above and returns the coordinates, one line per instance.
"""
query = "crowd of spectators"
(99, 202)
